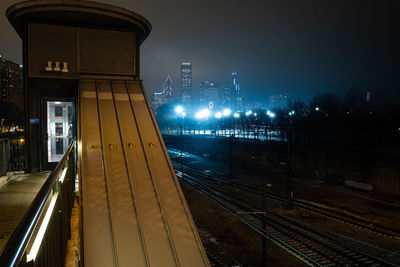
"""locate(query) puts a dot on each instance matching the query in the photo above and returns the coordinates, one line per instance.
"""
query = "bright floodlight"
(218, 115)
(316, 108)
(272, 115)
(203, 114)
(248, 112)
(255, 114)
(179, 109)
(236, 115)
(227, 112)
(268, 112)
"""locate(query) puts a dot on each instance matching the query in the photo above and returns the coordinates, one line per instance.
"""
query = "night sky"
(299, 48)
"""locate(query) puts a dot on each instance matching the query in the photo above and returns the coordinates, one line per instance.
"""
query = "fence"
(12, 154)
(4, 155)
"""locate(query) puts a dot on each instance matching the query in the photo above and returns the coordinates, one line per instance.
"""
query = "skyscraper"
(226, 97)
(186, 82)
(237, 99)
(167, 87)
(157, 100)
(209, 94)
(160, 98)
(11, 89)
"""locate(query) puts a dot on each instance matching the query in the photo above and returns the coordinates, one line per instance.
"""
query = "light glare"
(178, 109)
(203, 114)
(42, 230)
(227, 112)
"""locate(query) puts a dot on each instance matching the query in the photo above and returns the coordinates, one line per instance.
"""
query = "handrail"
(11, 135)
(16, 245)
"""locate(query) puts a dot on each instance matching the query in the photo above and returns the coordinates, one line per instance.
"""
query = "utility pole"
(181, 152)
(289, 191)
(230, 174)
(264, 223)
(181, 114)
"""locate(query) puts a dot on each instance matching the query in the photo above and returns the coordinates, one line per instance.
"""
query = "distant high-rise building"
(160, 98)
(186, 82)
(11, 86)
(209, 93)
(226, 97)
(157, 100)
(167, 87)
(238, 103)
(278, 101)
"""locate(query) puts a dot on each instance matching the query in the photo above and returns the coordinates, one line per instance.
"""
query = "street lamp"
(181, 113)
(203, 114)
(179, 110)
(227, 112)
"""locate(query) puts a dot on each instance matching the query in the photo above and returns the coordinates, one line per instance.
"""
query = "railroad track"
(302, 241)
(216, 256)
(326, 212)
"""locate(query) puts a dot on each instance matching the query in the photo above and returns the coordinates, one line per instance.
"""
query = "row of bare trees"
(358, 117)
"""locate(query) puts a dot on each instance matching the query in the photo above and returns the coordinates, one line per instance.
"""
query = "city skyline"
(280, 48)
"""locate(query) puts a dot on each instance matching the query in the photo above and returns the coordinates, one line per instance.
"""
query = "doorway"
(59, 130)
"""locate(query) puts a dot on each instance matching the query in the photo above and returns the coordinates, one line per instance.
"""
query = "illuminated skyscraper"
(209, 94)
(278, 101)
(11, 83)
(160, 98)
(186, 82)
(167, 87)
(237, 99)
(226, 97)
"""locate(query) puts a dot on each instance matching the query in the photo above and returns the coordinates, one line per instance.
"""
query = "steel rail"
(325, 212)
(248, 221)
(354, 255)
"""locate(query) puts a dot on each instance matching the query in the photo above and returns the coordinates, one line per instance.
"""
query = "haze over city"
(300, 49)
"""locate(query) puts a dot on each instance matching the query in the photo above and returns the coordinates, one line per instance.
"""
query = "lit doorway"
(59, 131)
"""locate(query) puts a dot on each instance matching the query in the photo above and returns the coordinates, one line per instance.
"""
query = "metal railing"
(41, 237)
(17, 154)
(4, 155)
(12, 154)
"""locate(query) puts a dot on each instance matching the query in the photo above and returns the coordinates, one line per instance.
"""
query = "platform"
(15, 198)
